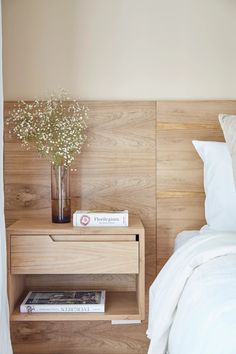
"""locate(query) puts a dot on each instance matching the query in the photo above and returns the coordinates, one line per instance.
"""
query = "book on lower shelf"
(100, 218)
(64, 301)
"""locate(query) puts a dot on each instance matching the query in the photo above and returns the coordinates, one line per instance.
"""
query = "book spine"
(100, 219)
(61, 308)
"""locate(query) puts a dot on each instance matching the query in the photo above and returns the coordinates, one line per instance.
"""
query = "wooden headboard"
(140, 157)
(179, 183)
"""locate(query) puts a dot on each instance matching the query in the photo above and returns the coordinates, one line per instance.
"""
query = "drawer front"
(41, 254)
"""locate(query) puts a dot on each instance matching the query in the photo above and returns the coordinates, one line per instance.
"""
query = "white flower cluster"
(56, 127)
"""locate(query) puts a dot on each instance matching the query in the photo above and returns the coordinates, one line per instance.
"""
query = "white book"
(64, 301)
(101, 218)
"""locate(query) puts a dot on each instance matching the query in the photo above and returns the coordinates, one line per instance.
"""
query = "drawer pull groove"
(92, 238)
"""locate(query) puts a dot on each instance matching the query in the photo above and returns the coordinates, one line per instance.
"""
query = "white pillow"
(220, 202)
(228, 125)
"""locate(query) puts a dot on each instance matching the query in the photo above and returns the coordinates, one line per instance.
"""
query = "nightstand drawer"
(41, 254)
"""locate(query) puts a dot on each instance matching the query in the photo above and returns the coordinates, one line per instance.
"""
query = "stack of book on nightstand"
(64, 301)
(101, 218)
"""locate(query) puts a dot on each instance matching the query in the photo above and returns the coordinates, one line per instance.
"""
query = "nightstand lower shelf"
(119, 306)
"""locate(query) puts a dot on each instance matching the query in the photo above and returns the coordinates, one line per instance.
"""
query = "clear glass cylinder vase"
(60, 194)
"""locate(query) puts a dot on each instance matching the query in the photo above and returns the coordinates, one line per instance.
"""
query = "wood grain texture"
(117, 169)
(34, 226)
(111, 282)
(38, 246)
(119, 306)
(78, 338)
(180, 193)
(139, 157)
(140, 289)
(40, 255)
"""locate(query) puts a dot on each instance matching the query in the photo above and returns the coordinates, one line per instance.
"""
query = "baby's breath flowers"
(56, 127)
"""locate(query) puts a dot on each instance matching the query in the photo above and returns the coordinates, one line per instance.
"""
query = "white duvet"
(192, 306)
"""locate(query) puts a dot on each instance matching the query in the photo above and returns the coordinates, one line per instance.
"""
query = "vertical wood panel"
(180, 193)
(116, 170)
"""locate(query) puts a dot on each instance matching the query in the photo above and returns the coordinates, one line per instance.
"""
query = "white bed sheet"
(184, 237)
(193, 299)
(205, 320)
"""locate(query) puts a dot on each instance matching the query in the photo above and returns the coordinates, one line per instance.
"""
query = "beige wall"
(120, 49)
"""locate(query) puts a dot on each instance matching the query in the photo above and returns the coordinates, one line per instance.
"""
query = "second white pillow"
(220, 202)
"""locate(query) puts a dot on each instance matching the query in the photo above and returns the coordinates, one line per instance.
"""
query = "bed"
(210, 297)
(193, 299)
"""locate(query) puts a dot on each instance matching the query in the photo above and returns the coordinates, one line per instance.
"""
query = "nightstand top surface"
(44, 225)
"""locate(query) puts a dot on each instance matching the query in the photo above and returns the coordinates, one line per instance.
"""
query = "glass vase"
(60, 194)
